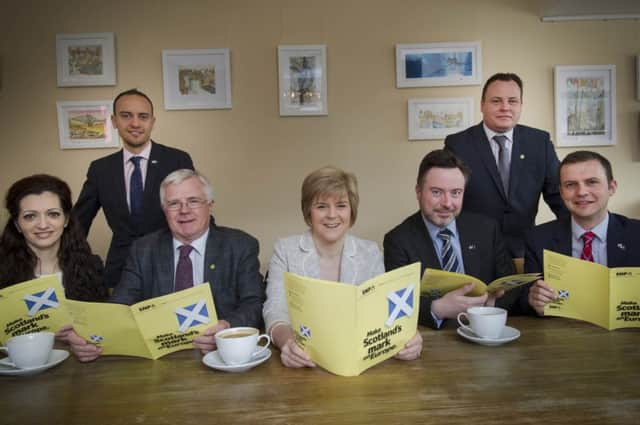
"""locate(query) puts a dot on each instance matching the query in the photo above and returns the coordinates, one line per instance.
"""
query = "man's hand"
(412, 349)
(83, 350)
(539, 295)
(207, 341)
(455, 302)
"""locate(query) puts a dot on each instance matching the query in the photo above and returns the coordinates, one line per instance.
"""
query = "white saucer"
(508, 334)
(56, 357)
(214, 361)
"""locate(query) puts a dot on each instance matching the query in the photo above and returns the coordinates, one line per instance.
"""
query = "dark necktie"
(184, 271)
(449, 258)
(587, 239)
(503, 162)
(135, 188)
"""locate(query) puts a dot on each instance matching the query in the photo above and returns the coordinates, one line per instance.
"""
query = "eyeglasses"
(192, 204)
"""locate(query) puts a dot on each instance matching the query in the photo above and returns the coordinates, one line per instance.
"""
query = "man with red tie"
(592, 233)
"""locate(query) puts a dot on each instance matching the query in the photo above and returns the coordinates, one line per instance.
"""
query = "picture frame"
(585, 105)
(197, 79)
(436, 118)
(86, 59)
(302, 80)
(638, 78)
(439, 64)
(86, 125)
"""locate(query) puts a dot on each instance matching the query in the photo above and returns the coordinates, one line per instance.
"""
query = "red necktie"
(587, 239)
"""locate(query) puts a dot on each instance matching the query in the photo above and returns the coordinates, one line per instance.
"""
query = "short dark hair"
(584, 156)
(131, 92)
(441, 158)
(502, 76)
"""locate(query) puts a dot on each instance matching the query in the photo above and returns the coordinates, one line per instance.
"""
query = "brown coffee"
(240, 334)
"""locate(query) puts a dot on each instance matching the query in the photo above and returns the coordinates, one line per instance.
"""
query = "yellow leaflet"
(436, 283)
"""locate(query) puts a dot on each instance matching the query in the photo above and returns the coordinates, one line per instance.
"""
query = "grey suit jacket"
(231, 267)
(361, 260)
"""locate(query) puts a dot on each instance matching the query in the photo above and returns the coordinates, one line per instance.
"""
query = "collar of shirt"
(433, 229)
(126, 155)
(493, 144)
(600, 230)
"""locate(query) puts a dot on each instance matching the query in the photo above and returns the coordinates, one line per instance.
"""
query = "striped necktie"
(450, 261)
(587, 239)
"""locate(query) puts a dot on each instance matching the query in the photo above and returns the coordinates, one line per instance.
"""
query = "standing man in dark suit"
(511, 164)
(592, 233)
(192, 251)
(126, 184)
(440, 237)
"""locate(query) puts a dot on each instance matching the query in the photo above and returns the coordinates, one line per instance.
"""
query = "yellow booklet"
(150, 328)
(346, 329)
(436, 283)
(32, 306)
(588, 291)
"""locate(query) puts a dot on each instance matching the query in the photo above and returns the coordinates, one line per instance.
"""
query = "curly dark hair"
(81, 270)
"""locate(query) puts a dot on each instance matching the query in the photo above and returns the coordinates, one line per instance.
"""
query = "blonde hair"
(329, 181)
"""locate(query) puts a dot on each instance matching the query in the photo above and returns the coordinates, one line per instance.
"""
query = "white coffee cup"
(485, 322)
(239, 345)
(29, 350)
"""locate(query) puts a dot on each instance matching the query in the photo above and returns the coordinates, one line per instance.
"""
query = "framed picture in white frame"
(302, 80)
(86, 59)
(86, 125)
(197, 79)
(436, 118)
(585, 105)
(638, 77)
(439, 64)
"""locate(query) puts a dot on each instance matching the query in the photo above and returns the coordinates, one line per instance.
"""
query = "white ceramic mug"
(238, 346)
(29, 350)
(485, 322)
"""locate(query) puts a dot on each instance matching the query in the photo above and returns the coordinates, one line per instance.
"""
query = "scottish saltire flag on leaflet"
(33, 306)
(150, 328)
(354, 327)
(592, 292)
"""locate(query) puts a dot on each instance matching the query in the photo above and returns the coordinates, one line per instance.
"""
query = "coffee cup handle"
(462, 325)
(264, 347)
(5, 349)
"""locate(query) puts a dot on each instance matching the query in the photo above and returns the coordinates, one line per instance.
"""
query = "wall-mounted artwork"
(302, 72)
(86, 125)
(438, 64)
(638, 77)
(86, 59)
(436, 118)
(197, 79)
(585, 102)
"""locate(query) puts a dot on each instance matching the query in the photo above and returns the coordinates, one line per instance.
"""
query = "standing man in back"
(511, 164)
(126, 184)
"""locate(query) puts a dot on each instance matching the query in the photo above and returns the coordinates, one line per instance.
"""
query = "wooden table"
(558, 372)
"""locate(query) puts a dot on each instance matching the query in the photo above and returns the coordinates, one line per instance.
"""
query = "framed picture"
(436, 118)
(585, 103)
(638, 77)
(86, 125)
(302, 75)
(438, 64)
(197, 79)
(86, 59)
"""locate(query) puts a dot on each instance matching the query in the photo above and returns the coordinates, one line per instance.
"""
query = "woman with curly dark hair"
(43, 237)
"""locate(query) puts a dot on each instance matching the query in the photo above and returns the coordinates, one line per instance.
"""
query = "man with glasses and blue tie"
(192, 251)
(125, 184)
(440, 237)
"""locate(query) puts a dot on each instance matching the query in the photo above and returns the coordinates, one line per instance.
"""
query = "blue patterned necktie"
(135, 188)
(184, 270)
(503, 161)
(450, 261)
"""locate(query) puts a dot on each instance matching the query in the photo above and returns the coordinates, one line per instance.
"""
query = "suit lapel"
(616, 243)
(166, 272)
(514, 168)
(469, 245)
(213, 255)
(120, 192)
(152, 179)
(483, 149)
(310, 258)
(424, 244)
(562, 238)
(348, 269)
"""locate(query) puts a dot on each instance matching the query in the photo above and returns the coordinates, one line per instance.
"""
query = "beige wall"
(257, 159)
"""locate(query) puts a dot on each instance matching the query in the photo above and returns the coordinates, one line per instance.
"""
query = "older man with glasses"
(193, 250)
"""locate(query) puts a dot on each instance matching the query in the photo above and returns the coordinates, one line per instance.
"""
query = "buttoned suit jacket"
(231, 267)
(105, 188)
(623, 246)
(483, 253)
(534, 171)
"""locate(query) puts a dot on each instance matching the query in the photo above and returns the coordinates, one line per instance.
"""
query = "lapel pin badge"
(621, 246)
(521, 156)
(471, 247)
(212, 266)
(154, 161)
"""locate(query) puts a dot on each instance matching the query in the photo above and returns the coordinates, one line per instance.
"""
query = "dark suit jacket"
(231, 267)
(623, 246)
(483, 252)
(104, 188)
(534, 171)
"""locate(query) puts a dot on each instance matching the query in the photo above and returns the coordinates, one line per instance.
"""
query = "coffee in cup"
(237, 346)
(485, 322)
(29, 350)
